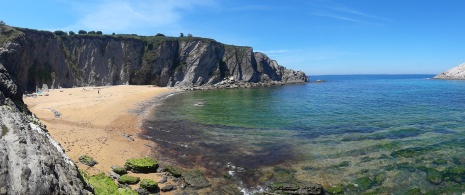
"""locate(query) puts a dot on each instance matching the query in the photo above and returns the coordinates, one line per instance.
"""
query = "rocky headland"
(455, 73)
(32, 162)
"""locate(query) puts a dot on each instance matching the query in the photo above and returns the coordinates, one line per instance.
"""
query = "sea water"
(396, 132)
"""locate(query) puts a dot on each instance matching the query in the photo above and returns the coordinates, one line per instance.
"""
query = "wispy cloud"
(124, 15)
(341, 12)
(255, 8)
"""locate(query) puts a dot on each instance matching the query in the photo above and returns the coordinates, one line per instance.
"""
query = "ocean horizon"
(363, 133)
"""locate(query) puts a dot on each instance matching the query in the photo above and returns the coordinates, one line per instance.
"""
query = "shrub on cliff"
(82, 32)
(71, 33)
(99, 32)
(141, 165)
(60, 33)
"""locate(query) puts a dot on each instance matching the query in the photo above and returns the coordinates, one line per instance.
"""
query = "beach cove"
(102, 122)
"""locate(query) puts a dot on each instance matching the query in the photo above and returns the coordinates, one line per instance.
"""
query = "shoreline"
(93, 121)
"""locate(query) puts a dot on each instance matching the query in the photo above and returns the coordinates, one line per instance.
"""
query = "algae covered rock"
(87, 160)
(102, 184)
(456, 173)
(173, 171)
(141, 165)
(195, 179)
(126, 191)
(126, 179)
(149, 184)
(119, 170)
(413, 191)
(335, 189)
(379, 178)
(434, 176)
(364, 183)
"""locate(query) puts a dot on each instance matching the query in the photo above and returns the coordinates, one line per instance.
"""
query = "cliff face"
(31, 162)
(37, 57)
(457, 72)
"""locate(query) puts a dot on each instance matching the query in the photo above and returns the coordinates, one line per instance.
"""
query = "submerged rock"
(195, 179)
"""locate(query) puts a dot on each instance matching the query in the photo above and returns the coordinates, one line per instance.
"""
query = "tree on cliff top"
(2, 23)
(82, 32)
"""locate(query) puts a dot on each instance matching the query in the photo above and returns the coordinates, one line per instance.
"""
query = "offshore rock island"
(32, 162)
(455, 73)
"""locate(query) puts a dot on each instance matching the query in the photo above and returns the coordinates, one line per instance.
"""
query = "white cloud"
(126, 15)
(342, 12)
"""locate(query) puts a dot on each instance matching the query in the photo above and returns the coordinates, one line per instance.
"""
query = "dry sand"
(92, 121)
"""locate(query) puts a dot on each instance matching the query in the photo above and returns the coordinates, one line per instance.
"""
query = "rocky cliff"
(457, 72)
(31, 162)
(36, 57)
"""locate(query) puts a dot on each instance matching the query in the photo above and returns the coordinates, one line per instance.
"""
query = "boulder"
(195, 179)
(141, 165)
(126, 179)
(87, 160)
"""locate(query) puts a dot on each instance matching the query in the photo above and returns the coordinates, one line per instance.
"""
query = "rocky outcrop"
(35, 58)
(457, 73)
(31, 162)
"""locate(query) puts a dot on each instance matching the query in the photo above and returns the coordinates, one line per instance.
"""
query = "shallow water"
(336, 132)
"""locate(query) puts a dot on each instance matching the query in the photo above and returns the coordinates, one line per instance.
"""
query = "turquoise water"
(395, 132)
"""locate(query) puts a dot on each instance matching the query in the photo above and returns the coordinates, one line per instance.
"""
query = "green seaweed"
(141, 165)
(413, 191)
(379, 178)
(434, 176)
(126, 179)
(173, 170)
(440, 162)
(87, 160)
(103, 184)
(409, 152)
(335, 189)
(364, 183)
(126, 191)
(456, 174)
(149, 184)
(119, 170)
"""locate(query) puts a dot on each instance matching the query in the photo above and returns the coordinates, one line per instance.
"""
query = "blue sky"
(315, 36)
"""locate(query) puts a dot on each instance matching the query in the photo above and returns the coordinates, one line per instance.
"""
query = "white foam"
(53, 142)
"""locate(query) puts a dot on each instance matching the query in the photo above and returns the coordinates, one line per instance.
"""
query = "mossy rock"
(344, 164)
(102, 184)
(149, 184)
(119, 170)
(409, 152)
(458, 161)
(364, 183)
(448, 191)
(126, 179)
(434, 176)
(126, 191)
(141, 165)
(456, 174)
(195, 179)
(173, 171)
(440, 162)
(379, 178)
(413, 191)
(335, 189)
(87, 160)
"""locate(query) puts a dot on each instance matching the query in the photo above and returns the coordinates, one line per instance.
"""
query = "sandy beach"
(93, 120)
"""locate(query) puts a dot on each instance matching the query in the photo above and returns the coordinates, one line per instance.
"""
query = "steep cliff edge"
(31, 162)
(457, 73)
(36, 57)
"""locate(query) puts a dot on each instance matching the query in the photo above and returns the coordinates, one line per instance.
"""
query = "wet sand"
(93, 121)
